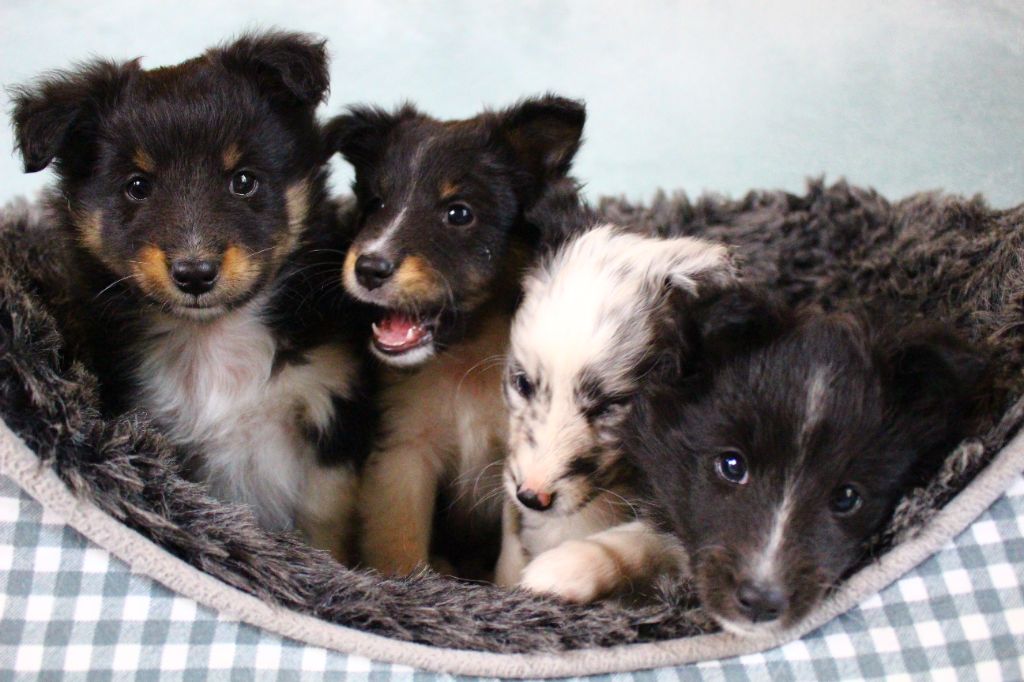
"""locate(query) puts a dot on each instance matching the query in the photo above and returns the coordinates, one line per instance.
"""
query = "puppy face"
(189, 184)
(782, 461)
(440, 207)
(581, 341)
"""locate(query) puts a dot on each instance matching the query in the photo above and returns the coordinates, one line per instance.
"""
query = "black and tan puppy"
(194, 196)
(789, 445)
(442, 243)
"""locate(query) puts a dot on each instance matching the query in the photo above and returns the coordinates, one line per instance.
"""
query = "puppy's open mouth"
(398, 334)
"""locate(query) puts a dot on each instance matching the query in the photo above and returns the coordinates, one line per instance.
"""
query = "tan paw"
(576, 571)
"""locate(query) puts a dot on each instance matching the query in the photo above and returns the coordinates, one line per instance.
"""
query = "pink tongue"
(395, 332)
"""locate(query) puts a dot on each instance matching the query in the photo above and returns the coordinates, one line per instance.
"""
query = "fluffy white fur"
(212, 387)
(444, 423)
(588, 315)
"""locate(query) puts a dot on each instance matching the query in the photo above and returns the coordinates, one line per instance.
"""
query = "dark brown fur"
(808, 405)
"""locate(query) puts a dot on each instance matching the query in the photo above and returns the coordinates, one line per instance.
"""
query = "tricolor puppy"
(788, 446)
(439, 254)
(588, 332)
(194, 195)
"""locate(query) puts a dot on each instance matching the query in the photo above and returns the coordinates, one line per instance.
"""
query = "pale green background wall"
(723, 95)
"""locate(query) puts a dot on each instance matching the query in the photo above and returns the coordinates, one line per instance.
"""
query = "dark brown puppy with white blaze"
(788, 446)
(194, 197)
(442, 242)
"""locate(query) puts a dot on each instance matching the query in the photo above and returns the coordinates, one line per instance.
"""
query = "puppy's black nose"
(373, 270)
(760, 602)
(194, 276)
(532, 499)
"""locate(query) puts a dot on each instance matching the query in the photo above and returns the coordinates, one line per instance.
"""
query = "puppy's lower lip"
(396, 334)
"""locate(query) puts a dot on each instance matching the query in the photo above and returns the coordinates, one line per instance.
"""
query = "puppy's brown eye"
(138, 188)
(459, 215)
(522, 384)
(731, 466)
(244, 184)
(845, 500)
(373, 205)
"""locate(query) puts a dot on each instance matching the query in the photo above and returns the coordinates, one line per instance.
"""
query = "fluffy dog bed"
(115, 479)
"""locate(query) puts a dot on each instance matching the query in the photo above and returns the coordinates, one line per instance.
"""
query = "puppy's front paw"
(576, 571)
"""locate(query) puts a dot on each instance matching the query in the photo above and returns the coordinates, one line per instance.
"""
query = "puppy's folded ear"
(705, 328)
(691, 264)
(736, 319)
(360, 134)
(289, 67)
(55, 117)
(935, 372)
(935, 384)
(544, 134)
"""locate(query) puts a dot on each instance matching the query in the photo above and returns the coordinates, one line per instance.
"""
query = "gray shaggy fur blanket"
(931, 254)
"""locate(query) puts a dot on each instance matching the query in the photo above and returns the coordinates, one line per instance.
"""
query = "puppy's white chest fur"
(213, 387)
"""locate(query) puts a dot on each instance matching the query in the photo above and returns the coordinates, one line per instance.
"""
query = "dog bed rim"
(21, 465)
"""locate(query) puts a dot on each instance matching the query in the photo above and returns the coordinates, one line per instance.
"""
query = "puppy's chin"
(198, 313)
(405, 359)
(746, 628)
(208, 310)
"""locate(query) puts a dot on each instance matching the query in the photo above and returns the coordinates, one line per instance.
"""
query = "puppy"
(786, 448)
(585, 336)
(194, 196)
(440, 251)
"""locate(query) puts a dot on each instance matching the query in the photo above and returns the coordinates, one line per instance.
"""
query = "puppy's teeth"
(375, 327)
(410, 333)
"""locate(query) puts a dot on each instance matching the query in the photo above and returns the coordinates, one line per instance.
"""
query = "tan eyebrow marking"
(231, 156)
(143, 161)
(448, 190)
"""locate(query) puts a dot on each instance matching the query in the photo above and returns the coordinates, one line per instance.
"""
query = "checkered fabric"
(69, 609)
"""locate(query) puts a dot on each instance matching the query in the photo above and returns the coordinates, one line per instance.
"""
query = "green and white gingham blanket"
(70, 609)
